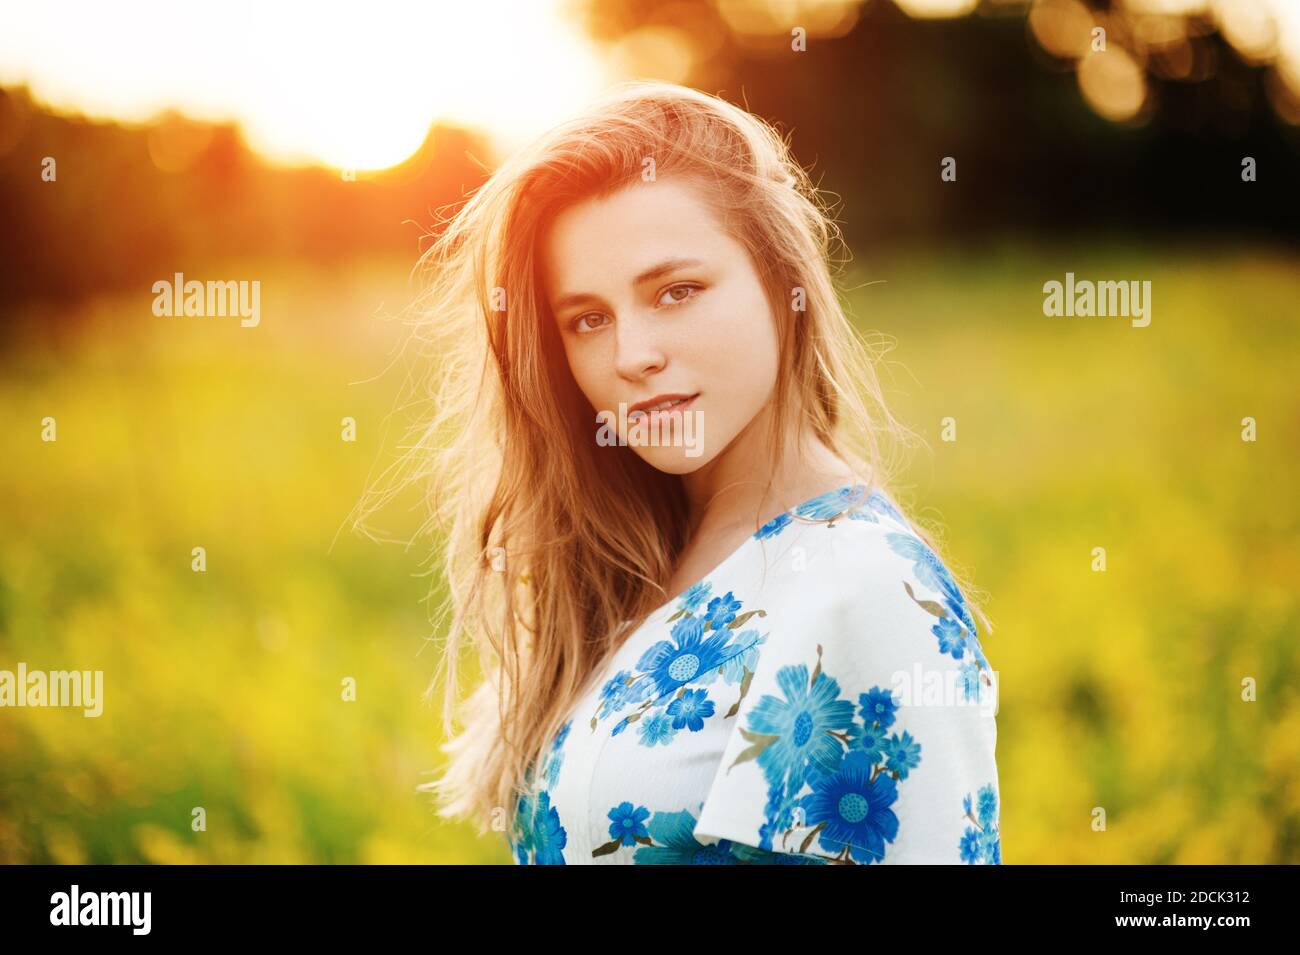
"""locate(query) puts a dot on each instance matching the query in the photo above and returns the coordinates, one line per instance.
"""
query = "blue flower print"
(657, 728)
(828, 506)
(524, 827)
(952, 637)
(824, 769)
(687, 657)
(851, 806)
(721, 611)
(733, 671)
(562, 735)
(981, 842)
(614, 694)
(556, 758)
(549, 837)
(878, 706)
(690, 710)
(540, 832)
(675, 844)
(955, 629)
(699, 650)
(808, 725)
(903, 754)
(926, 565)
(872, 742)
(627, 825)
(774, 526)
(881, 504)
(692, 599)
(668, 838)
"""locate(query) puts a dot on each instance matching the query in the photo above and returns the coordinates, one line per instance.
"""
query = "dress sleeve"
(867, 732)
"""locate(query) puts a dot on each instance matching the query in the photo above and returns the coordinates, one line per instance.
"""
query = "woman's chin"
(674, 460)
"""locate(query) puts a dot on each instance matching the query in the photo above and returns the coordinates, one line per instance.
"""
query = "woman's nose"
(639, 351)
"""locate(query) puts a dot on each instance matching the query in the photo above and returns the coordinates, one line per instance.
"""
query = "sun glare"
(351, 86)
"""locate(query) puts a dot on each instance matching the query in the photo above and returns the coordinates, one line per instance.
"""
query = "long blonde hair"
(555, 549)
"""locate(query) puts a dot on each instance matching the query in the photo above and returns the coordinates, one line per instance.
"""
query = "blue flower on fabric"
(524, 820)
(774, 526)
(952, 637)
(981, 842)
(878, 706)
(833, 503)
(690, 710)
(803, 723)
(627, 824)
(656, 729)
(903, 754)
(881, 504)
(733, 671)
(562, 735)
(540, 832)
(991, 846)
(614, 694)
(853, 809)
(692, 599)
(688, 656)
(549, 837)
(722, 610)
(926, 565)
(674, 835)
(872, 742)
(930, 571)
(986, 806)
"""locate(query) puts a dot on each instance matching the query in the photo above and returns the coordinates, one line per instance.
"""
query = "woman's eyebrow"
(663, 268)
(649, 275)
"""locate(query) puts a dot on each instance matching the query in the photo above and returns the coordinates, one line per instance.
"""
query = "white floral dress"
(821, 697)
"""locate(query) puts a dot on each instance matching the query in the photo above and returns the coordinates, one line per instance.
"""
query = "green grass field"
(1121, 691)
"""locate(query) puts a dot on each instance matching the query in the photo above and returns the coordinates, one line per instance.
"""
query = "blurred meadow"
(1121, 691)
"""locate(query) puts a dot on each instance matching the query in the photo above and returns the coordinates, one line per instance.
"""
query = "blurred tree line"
(129, 206)
(872, 112)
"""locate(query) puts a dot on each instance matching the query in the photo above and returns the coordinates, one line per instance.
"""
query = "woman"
(705, 630)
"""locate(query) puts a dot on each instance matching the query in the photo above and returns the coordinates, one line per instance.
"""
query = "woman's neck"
(748, 483)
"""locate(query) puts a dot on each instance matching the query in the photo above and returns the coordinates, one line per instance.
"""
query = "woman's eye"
(588, 322)
(676, 294)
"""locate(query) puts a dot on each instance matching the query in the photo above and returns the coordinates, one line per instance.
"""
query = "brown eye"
(676, 294)
(588, 322)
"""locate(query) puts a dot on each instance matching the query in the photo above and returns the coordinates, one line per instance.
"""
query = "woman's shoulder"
(860, 568)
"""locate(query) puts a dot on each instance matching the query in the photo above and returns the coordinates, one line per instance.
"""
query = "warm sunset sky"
(357, 84)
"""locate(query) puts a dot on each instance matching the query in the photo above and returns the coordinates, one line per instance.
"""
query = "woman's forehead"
(619, 236)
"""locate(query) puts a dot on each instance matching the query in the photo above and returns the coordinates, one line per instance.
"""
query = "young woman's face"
(654, 300)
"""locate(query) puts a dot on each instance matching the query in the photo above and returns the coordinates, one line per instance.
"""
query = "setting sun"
(352, 87)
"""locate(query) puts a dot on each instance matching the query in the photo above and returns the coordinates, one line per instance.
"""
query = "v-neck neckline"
(751, 538)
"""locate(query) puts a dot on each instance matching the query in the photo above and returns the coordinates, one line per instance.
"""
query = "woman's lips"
(681, 406)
